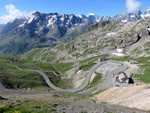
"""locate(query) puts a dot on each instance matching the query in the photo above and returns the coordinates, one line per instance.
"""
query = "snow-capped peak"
(93, 18)
(90, 14)
(128, 16)
(30, 18)
(132, 16)
(146, 13)
(124, 21)
(80, 16)
(148, 10)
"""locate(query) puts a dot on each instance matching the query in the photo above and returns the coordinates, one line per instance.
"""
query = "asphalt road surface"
(109, 82)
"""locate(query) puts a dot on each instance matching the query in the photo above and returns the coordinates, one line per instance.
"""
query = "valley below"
(54, 63)
(95, 93)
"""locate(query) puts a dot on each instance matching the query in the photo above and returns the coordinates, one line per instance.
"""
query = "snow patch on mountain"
(118, 54)
(111, 34)
(146, 13)
(132, 16)
(50, 22)
(80, 16)
(30, 18)
(148, 10)
(22, 24)
(124, 21)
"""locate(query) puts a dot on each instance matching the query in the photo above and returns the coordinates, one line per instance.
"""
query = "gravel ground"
(69, 104)
(89, 106)
(132, 96)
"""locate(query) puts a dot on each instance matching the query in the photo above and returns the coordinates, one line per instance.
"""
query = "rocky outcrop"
(2, 98)
(144, 32)
(133, 40)
(97, 25)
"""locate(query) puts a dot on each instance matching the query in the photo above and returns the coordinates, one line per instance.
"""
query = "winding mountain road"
(109, 82)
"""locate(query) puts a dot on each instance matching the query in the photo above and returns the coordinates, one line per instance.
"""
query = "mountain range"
(46, 30)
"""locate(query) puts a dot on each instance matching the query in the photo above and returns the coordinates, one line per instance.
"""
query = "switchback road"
(109, 82)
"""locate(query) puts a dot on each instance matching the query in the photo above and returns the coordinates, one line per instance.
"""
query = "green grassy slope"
(11, 77)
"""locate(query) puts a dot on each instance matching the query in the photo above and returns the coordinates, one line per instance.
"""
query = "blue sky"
(99, 7)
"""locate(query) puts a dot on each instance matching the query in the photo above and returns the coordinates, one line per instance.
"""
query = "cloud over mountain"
(13, 13)
(133, 5)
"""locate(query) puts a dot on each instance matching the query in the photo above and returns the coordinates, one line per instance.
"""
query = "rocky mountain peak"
(127, 17)
(42, 30)
(146, 13)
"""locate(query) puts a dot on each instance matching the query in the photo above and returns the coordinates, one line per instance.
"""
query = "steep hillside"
(107, 37)
(47, 54)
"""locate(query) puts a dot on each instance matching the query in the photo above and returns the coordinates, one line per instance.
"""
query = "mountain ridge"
(132, 39)
(40, 30)
(46, 30)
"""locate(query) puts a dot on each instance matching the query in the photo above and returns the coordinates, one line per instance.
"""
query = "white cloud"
(133, 5)
(13, 13)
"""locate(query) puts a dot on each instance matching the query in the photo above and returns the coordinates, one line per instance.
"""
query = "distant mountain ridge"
(42, 30)
(46, 30)
(127, 17)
